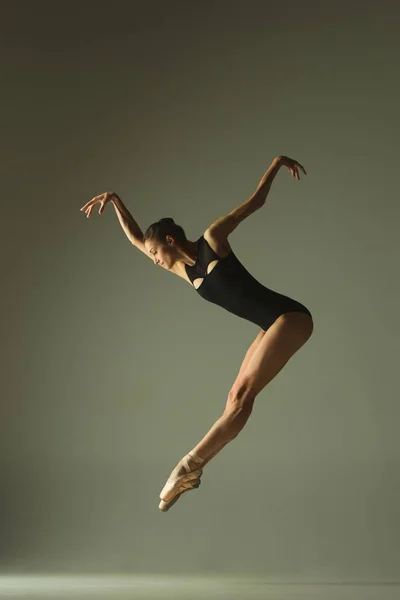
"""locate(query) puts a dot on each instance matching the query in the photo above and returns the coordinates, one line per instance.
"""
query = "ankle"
(195, 457)
(194, 461)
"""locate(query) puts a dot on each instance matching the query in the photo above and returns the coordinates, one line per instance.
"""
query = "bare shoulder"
(218, 243)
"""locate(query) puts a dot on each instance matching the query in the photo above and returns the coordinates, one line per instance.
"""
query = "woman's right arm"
(128, 223)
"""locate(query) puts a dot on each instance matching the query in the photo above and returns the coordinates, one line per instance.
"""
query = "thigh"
(279, 343)
(249, 354)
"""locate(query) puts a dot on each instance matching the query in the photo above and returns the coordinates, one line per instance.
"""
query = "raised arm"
(263, 187)
(224, 226)
(128, 223)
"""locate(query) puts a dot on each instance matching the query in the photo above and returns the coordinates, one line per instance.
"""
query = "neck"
(189, 253)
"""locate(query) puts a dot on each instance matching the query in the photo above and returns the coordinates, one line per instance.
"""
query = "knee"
(241, 398)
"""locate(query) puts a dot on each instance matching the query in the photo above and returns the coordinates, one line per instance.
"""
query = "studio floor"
(189, 588)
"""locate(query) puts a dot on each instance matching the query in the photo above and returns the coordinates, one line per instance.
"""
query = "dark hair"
(159, 230)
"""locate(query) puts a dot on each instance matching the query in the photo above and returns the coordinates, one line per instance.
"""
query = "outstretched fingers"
(295, 170)
(301, 167)
(88, 207)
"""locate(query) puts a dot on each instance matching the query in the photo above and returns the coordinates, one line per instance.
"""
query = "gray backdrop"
(113, 369)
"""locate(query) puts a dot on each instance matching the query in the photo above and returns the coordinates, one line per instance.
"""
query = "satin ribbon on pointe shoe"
(177, 485)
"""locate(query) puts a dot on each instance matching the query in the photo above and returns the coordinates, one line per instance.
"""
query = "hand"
(103, 199)
(292, 165)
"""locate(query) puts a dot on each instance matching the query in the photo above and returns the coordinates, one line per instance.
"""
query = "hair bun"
(167, 221)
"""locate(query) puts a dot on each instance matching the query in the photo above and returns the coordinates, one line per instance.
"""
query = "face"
(161, 254)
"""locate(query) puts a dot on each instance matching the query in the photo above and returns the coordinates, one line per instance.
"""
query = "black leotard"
(231, 286)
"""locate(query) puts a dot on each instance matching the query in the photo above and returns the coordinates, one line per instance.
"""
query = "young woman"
(211, 267)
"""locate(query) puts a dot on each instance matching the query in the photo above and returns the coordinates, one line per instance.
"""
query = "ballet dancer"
(211, 267)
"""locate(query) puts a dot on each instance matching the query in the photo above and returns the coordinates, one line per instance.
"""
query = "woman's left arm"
(224, 226)
(263, 188)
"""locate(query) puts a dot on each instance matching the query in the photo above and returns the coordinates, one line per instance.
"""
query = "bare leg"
(275, 347)
(224, 430)
(219, 427)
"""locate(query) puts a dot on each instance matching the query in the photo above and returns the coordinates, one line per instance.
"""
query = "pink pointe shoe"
(180, 482)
